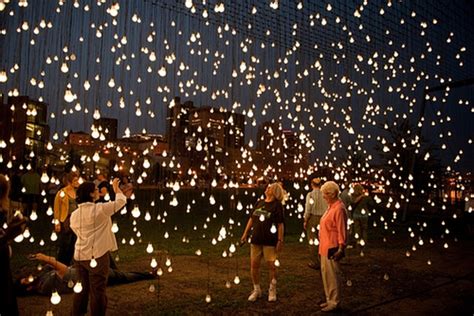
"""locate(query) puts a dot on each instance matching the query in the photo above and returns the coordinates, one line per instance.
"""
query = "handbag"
(332, 251)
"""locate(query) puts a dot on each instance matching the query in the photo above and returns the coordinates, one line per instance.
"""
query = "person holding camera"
(92, 224)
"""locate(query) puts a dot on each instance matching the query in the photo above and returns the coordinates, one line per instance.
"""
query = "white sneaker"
(272, 293)
(255, 295)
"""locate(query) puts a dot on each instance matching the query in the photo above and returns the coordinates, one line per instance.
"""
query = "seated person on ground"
(57, 276)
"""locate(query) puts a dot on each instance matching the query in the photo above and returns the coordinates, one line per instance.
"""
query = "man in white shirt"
(92, 224)
(314, 208)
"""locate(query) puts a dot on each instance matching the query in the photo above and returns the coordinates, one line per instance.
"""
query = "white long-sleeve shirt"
(315, 204)
(92, 225)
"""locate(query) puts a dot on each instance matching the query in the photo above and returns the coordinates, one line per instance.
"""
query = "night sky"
(329, 69)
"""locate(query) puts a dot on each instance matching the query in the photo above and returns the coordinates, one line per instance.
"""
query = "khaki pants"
(313, 222)
(332, 280)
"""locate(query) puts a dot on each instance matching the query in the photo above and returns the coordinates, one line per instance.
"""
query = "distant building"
(107, 127)
(187, 124)
(79, 139)
(234, 130)
(177, 126)
(24, 128)
(282, 150)
(269, 139)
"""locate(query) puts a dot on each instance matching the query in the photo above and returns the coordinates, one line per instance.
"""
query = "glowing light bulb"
(44, 177)
(115, 228)
(3, 76)
(33, 216)
(273, 229)
(93, 263)
(78, 287)
(162, 71)
(54, 237)
(55, 298)
(149, 248)
(69, 96)
(236, 279)
(208, 298)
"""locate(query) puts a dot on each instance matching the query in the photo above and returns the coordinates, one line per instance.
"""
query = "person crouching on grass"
(266, 221)
(92, 225)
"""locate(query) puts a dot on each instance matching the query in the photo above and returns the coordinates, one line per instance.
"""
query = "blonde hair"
(330, 187)
(4, 191)
(278, 192)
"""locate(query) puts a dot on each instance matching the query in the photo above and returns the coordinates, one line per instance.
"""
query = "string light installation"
(201, 103)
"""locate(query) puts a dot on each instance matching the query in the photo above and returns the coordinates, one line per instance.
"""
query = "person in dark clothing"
(105, 190)
(267, 222)
(15, 191)
(8, 303)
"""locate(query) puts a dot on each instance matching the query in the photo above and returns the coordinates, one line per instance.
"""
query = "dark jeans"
(94, 281)
(67, 240)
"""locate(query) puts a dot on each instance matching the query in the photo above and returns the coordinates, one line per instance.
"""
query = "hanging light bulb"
(22, 3)
(111, 83)
(55, 298)
(236, 279)
(93, 263)
(96, 157)
(115, 228)
(149, 248)
(162, 71)
(78, 287)
(44, 177)
(33, 216)
(69, 96)
(3, 76)
(54, 237)
(64, 68)
(136, 212)
(96, 114)
(114, 9)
